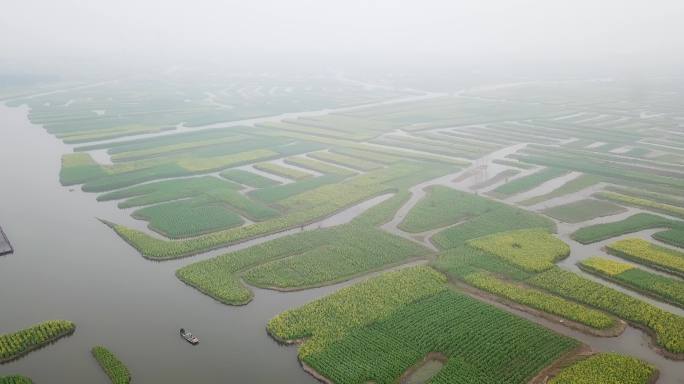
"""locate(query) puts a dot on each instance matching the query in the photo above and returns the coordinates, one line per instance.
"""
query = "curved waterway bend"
(68, 265)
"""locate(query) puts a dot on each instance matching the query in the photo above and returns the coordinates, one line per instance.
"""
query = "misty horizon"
(519, 38)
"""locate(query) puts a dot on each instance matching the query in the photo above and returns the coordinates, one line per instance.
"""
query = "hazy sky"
(48, 31)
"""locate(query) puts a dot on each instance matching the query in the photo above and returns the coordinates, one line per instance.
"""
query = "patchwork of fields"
(497, 192)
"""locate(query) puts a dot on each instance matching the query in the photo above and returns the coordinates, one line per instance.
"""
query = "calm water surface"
(67, 265)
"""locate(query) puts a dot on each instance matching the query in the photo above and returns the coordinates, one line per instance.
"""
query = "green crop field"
(673, 237)
(660, 287)
(78, 168)
(272, 194)
(113, 367)
(607, 368)
(572, 186)
(15, 379)
(493, 217)
(640, 202)
(300, 209)
(287, 172)
(302, 260)
(162, 191)
(347, 161)
(248, 178)
(540, 300)
(443, 206)
(583, 210)
(634, 223)
(641, 251)
(318, 166)
(16, 344)
(668, 327)
(462, 261)
(526, 183)
(187, 218)
(533, 250)
(397, 325)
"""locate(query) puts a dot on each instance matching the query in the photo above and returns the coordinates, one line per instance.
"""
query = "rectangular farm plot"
(216, 163)
(319, 166)
(533, 250)
(344, 160)
(644, 252)
(287, 172)
(572, 186)
(186, 218)
(583, 210)
(528, 182)
(248, 178)
(661, 287)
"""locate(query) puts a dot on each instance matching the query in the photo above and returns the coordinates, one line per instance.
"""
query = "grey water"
(68, 265)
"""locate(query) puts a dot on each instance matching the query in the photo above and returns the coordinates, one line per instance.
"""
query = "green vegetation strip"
(673, 237)
(216, 163)
(171, 148)
(318, 166)
(512, 163)
(668, 327)
(347, 161)
(275, 193)
(583, 210)
(528, 182)
(533, 250)
(634, 223)
(667, 209)
(398, 318)
(113, 367)
(649, 254)
(111, 133)
(661, 287)
(607, 368)
(248, 178)
(540, 300)
(572, 186)
(16, 344)
(277, 169)
(15, 379)
(167, 190)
